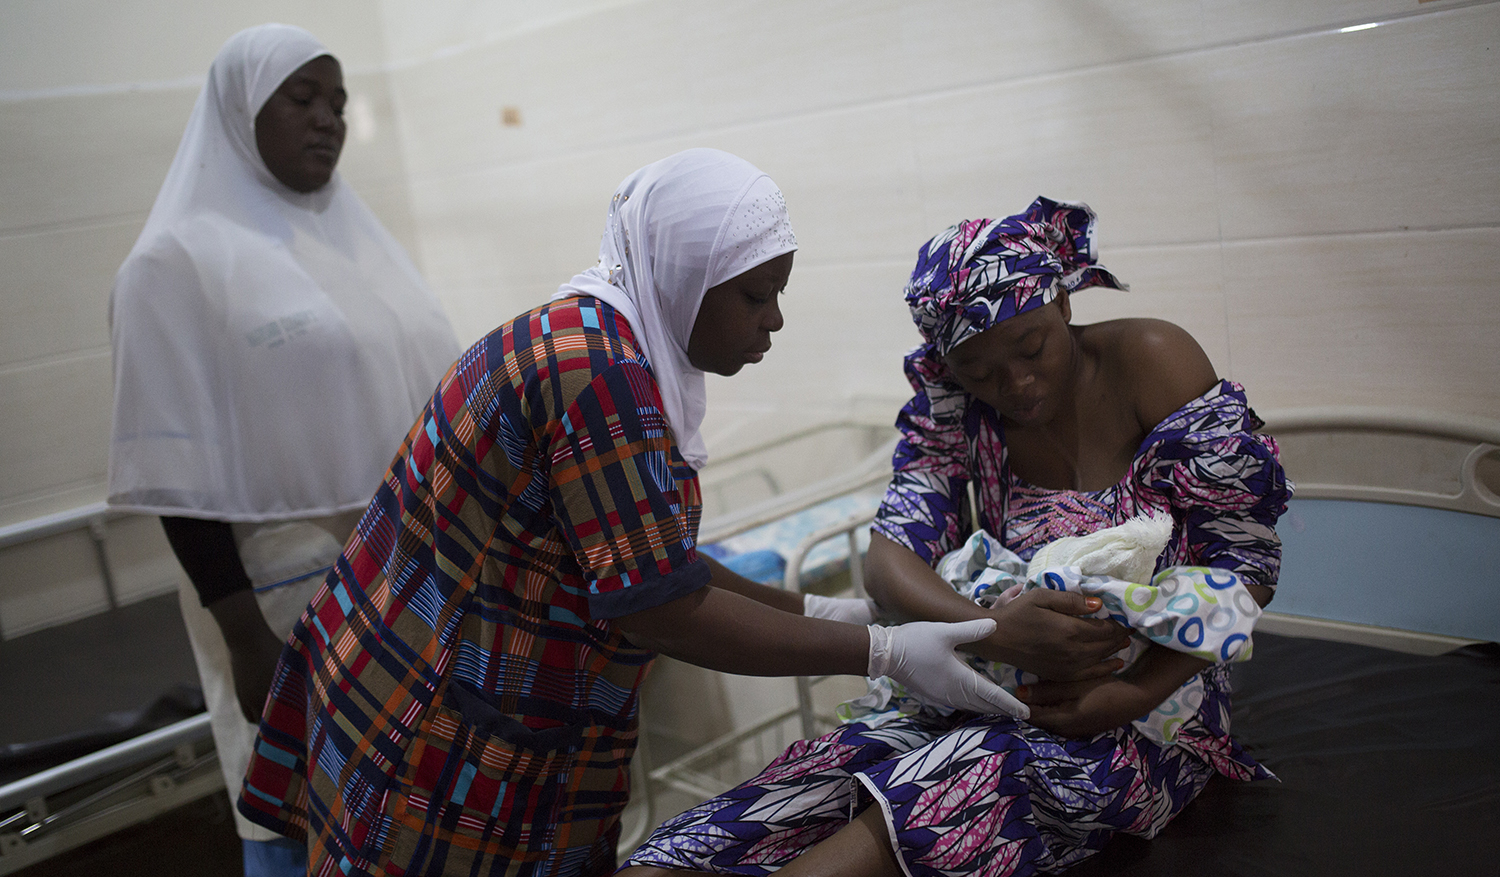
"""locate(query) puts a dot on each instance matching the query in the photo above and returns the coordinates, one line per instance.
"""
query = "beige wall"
(1320, 208)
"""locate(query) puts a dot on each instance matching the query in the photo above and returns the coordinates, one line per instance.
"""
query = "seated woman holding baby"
(1062, 430)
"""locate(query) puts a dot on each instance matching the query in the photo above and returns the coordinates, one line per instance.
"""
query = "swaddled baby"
(1205, 612)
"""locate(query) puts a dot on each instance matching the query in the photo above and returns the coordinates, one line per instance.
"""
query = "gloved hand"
(920, 656)
(852, 610)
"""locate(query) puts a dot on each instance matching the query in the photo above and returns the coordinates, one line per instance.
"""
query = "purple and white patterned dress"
(990, 795)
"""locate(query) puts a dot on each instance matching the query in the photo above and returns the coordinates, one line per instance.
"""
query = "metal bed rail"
(92, 516)
(685, 773)
(64, 807)
(874, 469)
(738, 466)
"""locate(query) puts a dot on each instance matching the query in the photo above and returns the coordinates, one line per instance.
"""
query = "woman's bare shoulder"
(1157, 363)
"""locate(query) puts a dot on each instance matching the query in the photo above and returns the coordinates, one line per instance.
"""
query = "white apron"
(287, 562)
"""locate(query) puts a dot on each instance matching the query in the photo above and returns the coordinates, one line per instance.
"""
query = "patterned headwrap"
(981, 272)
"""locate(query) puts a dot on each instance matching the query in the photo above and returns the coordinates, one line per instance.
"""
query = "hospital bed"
(97, 742)
(1374, 699)
(1374, 693)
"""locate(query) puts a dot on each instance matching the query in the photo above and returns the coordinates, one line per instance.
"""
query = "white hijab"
(271, 348)
(677, 228)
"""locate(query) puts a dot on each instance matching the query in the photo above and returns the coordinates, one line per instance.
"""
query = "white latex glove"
(920, 656)
(851, 610)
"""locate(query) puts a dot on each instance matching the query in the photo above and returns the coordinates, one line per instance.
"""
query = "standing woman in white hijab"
(461, 697)
(272, 343)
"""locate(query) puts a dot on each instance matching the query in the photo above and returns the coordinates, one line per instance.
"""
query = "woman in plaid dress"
(461, 696)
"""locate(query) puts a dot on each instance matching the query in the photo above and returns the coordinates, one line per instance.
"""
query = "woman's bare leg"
(860, 849)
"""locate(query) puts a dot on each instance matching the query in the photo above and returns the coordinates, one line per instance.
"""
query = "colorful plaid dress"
(989, 795)
(455, 699)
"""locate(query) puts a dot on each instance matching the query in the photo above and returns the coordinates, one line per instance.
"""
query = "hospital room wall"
(1318, 207)
(1318, 204)
(94, 97)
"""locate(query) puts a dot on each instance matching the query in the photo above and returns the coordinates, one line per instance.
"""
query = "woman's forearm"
(1159, 671)
(776, 598)
(208, 554)
(727, 631)
(906, 587)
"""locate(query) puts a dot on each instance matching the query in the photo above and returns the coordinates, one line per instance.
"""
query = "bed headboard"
(1393, 538)
(1388, 455)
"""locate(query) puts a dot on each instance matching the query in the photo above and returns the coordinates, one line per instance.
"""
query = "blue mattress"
(1374, 563)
